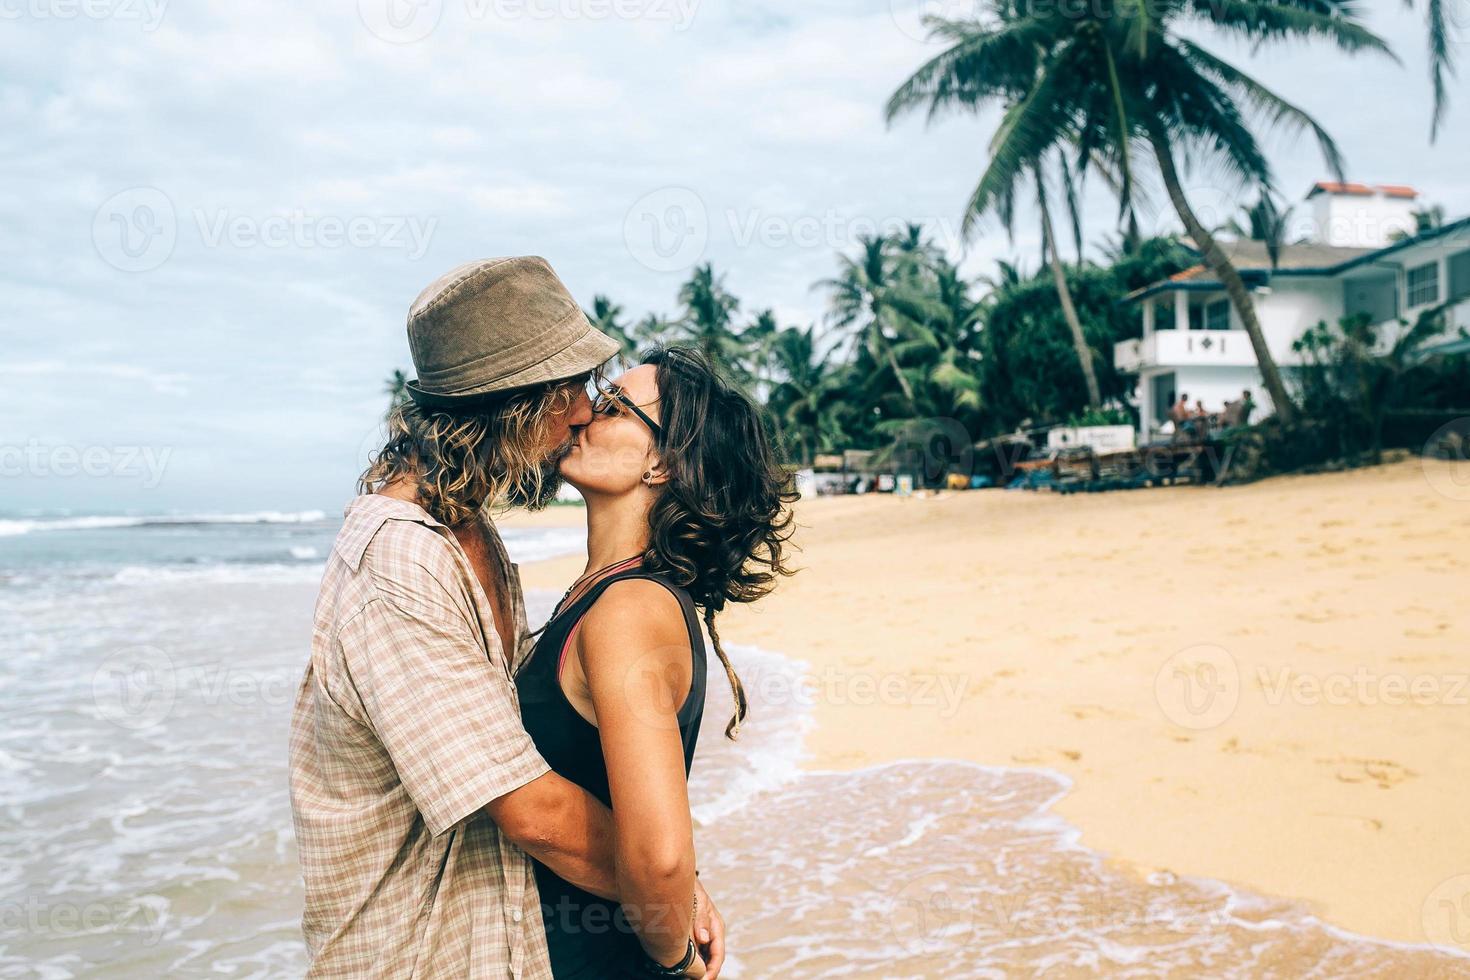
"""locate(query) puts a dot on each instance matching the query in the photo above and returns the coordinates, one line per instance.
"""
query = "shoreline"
(1055, 618)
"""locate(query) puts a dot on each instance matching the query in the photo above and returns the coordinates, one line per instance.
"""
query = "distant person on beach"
(1202, 418)
(1238, 413)
(687, 510)
(1179, 415)
(1180, 410)
(419, 798)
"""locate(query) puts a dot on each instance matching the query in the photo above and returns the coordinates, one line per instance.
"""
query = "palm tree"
(913, 253)
(653, 331)
(1007, 273)
(860, 300)
(948, 338)
(1108, 77)
(756, 339)
(1428, 219)
(708, 318)
(1059, 280)
(605, 317)
(1002, 203)
(804, 399)
(1265, 222)
(396, 388)
(1441, 62)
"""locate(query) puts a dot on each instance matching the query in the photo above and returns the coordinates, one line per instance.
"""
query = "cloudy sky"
(217, 213)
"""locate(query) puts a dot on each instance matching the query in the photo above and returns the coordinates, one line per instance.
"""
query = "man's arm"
(571, 832)
(564, 827)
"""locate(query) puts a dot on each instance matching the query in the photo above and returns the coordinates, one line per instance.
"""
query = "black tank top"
(589, 936)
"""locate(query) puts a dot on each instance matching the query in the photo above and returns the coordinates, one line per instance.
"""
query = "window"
(1375, 296)
(1209, 314)
(1424, 284)
(1164, 314)
(1460, 275)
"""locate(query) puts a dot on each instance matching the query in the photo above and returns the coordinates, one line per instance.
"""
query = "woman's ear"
(655, 475)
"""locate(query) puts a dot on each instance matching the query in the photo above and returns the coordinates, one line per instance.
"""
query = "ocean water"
(147, 669)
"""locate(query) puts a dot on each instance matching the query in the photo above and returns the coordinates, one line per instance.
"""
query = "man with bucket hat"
(417, 795)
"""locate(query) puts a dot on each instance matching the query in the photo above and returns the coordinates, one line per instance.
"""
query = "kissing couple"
(472, 800)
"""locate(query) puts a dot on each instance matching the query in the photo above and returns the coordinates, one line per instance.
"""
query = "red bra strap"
(566, 645)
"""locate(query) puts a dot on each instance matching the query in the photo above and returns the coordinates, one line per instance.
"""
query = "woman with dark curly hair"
(687, 509)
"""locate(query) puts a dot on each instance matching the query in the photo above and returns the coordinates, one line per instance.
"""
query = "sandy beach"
(1264, 685)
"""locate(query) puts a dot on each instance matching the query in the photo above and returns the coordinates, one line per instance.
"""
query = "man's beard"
(535, 495)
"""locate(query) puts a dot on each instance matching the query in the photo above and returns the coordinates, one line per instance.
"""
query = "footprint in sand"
(1367, 823)
(1318, 616)
(1403, 659)
(1046, 757)
(1086, 712)
(1383, 773)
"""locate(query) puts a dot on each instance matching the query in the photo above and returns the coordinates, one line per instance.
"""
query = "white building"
(1193, 343)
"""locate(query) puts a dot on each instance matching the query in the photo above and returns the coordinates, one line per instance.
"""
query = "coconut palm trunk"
(1064, 294)
(882, 342)
(1220, 265)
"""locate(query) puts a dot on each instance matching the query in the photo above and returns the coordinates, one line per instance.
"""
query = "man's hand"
(709, 932)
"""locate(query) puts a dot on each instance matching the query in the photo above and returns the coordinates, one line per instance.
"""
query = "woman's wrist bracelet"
(657, 969)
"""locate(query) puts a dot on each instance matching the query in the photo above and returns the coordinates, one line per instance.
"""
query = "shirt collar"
(365, 514)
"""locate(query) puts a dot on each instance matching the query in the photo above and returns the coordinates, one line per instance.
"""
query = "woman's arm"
(634, 652)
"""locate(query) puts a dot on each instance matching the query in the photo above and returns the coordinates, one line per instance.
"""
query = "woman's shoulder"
(635, 617)
(639, 605)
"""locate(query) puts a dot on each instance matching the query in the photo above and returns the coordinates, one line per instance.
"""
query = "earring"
(648, 477)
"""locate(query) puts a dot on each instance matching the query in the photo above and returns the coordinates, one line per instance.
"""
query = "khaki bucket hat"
(496, 325)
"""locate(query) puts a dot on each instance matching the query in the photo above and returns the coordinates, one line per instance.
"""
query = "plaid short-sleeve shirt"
(405, 725)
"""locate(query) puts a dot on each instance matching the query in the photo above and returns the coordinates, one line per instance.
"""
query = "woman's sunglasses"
(609, 401)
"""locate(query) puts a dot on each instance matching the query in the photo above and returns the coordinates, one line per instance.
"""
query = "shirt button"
(515, 915)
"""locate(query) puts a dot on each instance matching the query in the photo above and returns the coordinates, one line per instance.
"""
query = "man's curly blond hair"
(462, 461)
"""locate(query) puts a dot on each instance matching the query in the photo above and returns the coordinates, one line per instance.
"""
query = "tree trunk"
(1220, 265)
(1069, 311)
(908, 391)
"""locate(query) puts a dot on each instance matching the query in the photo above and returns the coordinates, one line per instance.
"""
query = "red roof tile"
(1362, 190)
(1333, 187)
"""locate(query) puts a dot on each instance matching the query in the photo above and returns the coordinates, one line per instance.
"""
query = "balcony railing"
(1185, 348)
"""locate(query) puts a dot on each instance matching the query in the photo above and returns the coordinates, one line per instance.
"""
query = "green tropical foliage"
(1119, 91)
(1103, 81)
(1442, 39)
(1266, 222)
(1353, 376)
(606, 316)
(396, 388)
(708, 319)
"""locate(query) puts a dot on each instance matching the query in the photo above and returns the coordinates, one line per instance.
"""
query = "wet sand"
(1262, 685)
